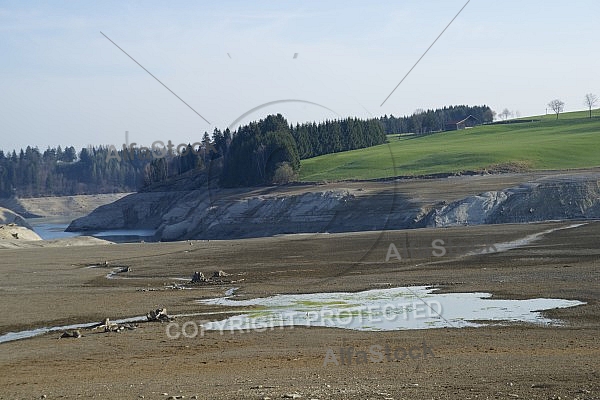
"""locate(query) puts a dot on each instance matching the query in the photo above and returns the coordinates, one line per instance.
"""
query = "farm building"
(468, 122)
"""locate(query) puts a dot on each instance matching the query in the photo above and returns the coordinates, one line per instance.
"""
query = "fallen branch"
(110, 326)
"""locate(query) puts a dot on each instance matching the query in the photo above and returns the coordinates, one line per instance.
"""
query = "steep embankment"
(559, 198)
(351, 207)
(202, 214)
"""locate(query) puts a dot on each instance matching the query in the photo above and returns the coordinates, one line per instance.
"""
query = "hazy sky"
(62, 82)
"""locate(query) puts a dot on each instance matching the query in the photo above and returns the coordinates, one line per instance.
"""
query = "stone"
(198, 277)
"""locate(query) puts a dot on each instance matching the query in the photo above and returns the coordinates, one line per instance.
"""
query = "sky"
(63, 83)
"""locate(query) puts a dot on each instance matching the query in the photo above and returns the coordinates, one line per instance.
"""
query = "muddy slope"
(350, 207)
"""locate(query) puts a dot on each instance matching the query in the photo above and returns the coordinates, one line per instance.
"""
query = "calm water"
(383, 310)
(50, 228)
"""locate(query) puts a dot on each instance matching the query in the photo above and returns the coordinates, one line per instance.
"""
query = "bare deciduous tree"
(505, 114)
(557, 106)
(591, 100)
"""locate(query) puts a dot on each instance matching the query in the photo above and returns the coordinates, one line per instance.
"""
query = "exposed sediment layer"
(349, 207)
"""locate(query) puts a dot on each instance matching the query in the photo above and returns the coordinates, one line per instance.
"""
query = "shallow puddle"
(418, 307)
(401, 308)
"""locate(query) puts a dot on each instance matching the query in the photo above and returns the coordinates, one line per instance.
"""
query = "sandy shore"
(55, 286)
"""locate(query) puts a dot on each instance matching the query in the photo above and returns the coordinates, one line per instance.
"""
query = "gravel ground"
(54, 286)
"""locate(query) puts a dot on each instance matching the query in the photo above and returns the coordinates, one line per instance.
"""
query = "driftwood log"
(109, 326)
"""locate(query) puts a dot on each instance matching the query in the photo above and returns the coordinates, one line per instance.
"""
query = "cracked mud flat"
(51, 287)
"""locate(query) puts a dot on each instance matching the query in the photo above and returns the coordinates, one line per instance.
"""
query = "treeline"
(421, 121)
(263, 152)
(269, 151)
(199, 156)
(58, 172)
(260, 150)
(329, 137)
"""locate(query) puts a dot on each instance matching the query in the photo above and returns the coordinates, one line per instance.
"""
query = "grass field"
(572, 141)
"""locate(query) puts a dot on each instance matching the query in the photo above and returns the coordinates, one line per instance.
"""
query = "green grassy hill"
(571, 142)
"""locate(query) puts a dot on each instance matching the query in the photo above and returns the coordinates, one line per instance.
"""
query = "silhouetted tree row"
(161, 169)
(58, 172)
(269, 151)
(62, 172)
(260, 151)
(422, 121)
(329, 137)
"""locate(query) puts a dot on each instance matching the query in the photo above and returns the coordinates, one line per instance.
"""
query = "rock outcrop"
(227, 214)
(545, 200)
(136, 211)
(235, 214)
